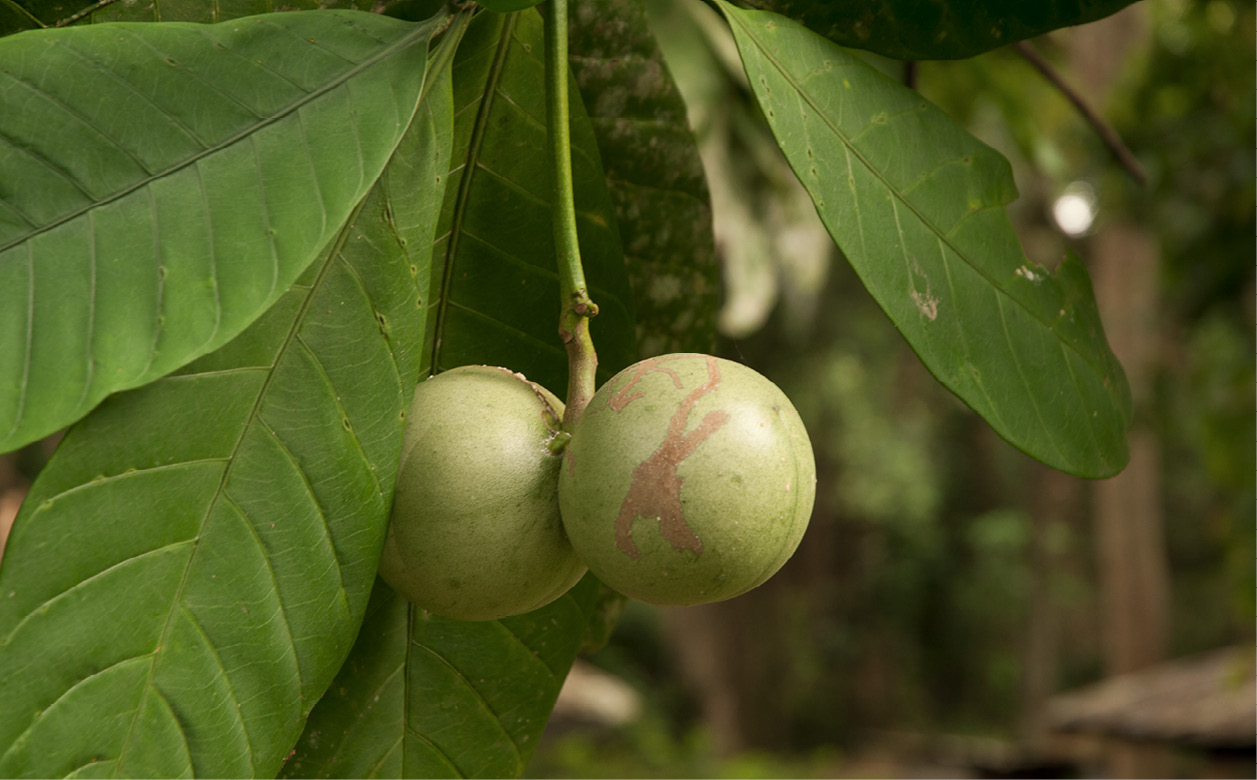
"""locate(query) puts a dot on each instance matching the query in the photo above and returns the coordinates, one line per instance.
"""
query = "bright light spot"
(1075, 209)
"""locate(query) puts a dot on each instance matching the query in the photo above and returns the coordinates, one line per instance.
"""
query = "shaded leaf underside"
(937, 29)
(654, 174)
(494, 296)
(423, 696)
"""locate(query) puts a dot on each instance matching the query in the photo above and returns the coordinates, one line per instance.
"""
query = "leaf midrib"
(942, 237)
(420, 32)
(253, 417)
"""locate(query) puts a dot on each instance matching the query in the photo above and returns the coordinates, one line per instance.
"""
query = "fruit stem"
(576, 307)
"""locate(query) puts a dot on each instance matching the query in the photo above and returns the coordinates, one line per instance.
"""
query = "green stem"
(577, 307)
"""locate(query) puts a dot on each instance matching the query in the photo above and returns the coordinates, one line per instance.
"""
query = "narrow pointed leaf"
(937, 29)
(654, 174)
(162, 185)
(495, 291)
(422, 696)
(190, 569)
(917, 206)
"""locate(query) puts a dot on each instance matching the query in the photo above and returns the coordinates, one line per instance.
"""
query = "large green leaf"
(189, 571)
(495, 291)
(916, 204)
(938, 29)
(162, 185)
(422, 696)
(18, 15)
(654, 174)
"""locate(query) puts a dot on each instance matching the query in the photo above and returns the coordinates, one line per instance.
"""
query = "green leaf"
(189, 571)
(916, 204)
(654, 174)
(470, 698)
(937, 29)
(507, 6)
(424, 696)
(162, 185)
(495, 294)
(18, 15)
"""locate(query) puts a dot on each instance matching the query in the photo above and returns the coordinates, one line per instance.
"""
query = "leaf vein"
(327, 531)
(790, 79)
(231, 688)
(88, 580)
(340, 80)
(270, 570)
(493, 716)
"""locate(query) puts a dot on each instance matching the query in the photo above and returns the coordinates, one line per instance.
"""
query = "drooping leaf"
(162, 185)
(654, 174)
(495, 295)
(189, 571)
(422, 696)
(916, 204)
(937, 29)
(18, 15)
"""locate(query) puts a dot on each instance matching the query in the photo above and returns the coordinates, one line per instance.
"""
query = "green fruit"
(475, 532)
(689, 479)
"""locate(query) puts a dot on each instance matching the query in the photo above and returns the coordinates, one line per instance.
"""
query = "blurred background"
(957, 609)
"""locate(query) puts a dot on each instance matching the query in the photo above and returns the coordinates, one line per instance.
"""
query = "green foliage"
(17, 15)
(423, 696)
(507, 6)
(493, 296)
(653, 172)
(937, 29)
(923, 227)
(203, 588)
(1191, 119)
(229, 252)
(179, 159)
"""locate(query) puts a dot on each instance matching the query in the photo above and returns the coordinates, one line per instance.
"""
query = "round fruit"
(475, 532)
(688, 479)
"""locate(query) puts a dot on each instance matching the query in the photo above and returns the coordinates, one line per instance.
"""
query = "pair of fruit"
(688, 479)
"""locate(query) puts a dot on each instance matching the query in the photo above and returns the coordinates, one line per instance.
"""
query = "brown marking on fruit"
(655, 490)
(622, 398)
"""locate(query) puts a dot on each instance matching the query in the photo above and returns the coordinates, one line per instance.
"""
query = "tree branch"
(1107, 134)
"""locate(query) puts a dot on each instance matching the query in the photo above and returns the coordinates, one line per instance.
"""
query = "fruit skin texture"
(475, 532)
(688, 479)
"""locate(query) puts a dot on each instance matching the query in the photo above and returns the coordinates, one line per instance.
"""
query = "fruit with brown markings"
(475, 532)
(688, 479)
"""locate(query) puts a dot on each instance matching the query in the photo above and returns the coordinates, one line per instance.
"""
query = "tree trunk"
(1134, 575)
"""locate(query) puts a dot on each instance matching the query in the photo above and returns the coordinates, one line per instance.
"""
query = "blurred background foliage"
(948, 585)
